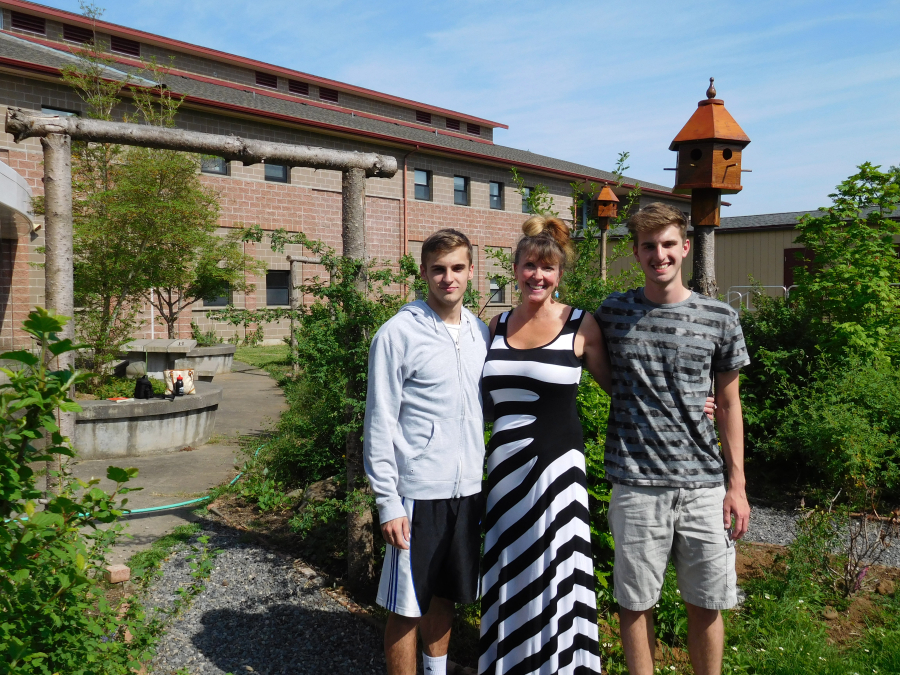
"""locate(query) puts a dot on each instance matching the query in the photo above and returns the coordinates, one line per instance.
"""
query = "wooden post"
(360, 542)
(59, 282)
(705, 205)
(293, 282)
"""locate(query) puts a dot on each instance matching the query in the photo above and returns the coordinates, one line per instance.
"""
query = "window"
(220, 300)
(423, 117)
(33, 24)
(526, 193)
(473, 129)
(498, 293)
(77, 34)
(56, 111)
(122, 45)
(423, 184)
(496, 194)
(267, 80)
(277, 286)
(301, 88)
(328, 94)
(460, 190)
(276, 173)
(453, 124)
(213, 164)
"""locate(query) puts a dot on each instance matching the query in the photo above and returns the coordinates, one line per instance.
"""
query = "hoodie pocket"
(438, 462)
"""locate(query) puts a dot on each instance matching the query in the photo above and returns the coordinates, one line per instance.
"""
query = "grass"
(273, 359)
(144, 563)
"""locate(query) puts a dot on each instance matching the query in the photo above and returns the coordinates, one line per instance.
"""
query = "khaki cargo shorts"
(650, 525)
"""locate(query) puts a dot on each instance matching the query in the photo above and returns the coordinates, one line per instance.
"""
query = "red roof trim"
(368, 134)
(178, 45)
(262, 91)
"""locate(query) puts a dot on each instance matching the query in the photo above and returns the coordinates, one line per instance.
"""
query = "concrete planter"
(105, 429)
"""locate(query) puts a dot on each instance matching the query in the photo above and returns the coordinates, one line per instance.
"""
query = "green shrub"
(53, 615)
(841, 431)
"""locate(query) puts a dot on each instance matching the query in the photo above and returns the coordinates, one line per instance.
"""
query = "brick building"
(451, 171)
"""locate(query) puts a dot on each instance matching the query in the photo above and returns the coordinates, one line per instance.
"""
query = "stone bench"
(161, 355)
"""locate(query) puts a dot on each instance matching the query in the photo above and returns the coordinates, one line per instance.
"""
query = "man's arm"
(731, 433)
(383, 396)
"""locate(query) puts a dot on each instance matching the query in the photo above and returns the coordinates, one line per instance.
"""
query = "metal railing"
(744, 298)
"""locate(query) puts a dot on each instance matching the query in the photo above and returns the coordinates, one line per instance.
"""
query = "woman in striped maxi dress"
(538, 605)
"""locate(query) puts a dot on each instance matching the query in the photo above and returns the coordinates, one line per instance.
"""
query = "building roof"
(178, 45)
(19, 53)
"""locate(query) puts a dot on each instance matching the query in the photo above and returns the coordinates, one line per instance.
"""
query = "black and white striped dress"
(539, 611)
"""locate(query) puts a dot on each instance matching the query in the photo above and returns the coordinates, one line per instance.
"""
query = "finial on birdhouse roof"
(711, 92)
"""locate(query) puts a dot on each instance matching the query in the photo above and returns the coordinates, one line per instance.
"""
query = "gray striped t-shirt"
(662, 359)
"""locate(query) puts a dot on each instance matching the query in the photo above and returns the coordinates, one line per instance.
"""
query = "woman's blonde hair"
(547, 239)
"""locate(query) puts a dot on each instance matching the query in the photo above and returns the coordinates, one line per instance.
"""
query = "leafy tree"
(143, 219)
(850, 287)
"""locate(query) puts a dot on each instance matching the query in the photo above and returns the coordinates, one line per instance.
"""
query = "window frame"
(499, 195)
(427, 185)
(275, 179)
(285, 274)
(24, 19)
(464, 192)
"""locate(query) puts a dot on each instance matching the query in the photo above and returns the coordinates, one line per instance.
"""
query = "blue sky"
(815, 84)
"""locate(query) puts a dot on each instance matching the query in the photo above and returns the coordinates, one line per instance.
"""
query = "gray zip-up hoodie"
(424, 430)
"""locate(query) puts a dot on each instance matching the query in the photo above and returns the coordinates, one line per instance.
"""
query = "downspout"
(404, 245)
(404, 248)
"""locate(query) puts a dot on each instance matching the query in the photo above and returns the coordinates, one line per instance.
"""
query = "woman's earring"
(517, 286)
(556, 294)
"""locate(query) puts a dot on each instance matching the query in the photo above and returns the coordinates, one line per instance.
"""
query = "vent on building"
(453, 124)
(423, 117)
(77, 34)
(328, 94)
(33, 24)
(122, 45)
(267, 80)
(473, 129)
(301, 88)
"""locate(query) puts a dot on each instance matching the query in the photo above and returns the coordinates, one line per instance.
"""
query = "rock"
(830, 614)
(294, 494)
(116, 574)
(885, 587)
(135, 369)
(322, 490)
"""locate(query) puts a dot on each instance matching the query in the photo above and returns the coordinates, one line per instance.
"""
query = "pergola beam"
(23, 124)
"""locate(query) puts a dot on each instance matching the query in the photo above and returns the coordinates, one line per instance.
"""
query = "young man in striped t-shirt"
(668, 347)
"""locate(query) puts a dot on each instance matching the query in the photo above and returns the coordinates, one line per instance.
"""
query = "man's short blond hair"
(443, 241)
(654, 217)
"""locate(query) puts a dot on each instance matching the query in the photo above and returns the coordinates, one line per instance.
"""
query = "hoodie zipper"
(462, 411)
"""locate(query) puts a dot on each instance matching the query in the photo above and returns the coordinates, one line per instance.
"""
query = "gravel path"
(774, 526)
(258, 614)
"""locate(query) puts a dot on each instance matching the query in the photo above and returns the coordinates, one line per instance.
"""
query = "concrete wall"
(155, 427)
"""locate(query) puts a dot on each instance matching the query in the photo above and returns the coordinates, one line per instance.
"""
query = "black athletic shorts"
(443, 556)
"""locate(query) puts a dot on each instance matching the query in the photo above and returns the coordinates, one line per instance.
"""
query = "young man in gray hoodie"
(424, 456)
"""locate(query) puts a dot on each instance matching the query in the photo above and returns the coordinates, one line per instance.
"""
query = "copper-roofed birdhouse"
(709, 148)
(607, 203)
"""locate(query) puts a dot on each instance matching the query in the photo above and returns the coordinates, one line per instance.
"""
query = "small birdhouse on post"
(709, 164)
(606, 208)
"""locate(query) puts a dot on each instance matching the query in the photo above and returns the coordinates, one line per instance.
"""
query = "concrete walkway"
(251, 405)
